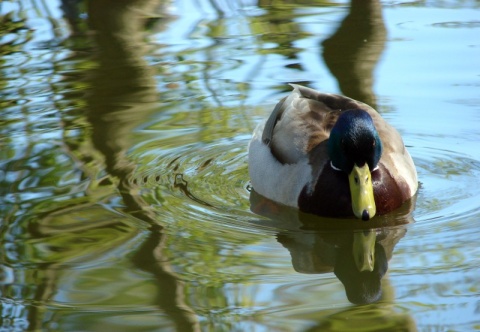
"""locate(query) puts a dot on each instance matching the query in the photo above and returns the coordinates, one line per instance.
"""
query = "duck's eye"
(366, 179)
(356, 180)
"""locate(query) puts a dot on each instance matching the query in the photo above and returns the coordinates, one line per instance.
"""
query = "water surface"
(125, 198)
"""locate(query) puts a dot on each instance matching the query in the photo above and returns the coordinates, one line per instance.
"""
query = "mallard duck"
(330, 155)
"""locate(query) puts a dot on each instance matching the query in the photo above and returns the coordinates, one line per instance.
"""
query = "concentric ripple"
(199, 182)
(450, 185)
(211, 182)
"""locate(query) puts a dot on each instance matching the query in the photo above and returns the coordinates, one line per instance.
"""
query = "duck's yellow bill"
(364, 250)
(361, 190)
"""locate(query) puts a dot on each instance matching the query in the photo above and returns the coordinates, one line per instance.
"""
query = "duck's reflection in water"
(356, 258)
(357, 252)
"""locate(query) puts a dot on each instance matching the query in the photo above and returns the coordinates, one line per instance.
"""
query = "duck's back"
(302, 121)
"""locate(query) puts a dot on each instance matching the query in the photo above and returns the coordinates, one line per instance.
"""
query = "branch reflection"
(124, 96)
(353, 50)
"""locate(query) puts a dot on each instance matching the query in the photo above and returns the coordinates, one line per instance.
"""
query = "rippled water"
(125, 198)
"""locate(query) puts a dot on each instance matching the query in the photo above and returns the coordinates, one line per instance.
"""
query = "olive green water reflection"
(125, 200)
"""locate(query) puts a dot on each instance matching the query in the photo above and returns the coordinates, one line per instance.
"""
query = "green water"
(125, 201)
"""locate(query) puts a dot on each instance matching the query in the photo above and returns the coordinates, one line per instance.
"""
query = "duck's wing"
(302, 121)
(331, 101)
(396, 159)
(272, 121)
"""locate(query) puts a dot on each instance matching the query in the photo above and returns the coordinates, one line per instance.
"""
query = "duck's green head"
(355, 147)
